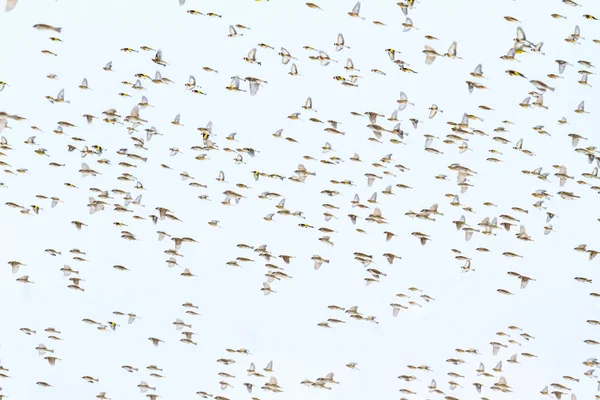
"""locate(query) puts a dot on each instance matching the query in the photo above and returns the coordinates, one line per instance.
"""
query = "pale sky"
(467, 312)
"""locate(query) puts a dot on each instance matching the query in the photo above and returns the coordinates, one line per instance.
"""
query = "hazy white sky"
(467, 311)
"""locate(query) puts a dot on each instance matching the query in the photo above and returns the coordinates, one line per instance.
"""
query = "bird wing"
(10, 4)
(452, 49)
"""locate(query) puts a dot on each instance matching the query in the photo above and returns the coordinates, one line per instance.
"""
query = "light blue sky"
(283, 327)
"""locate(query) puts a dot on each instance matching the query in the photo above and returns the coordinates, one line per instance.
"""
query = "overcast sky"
(467, 311)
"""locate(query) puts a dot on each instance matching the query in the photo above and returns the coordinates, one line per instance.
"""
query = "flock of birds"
(336, 177)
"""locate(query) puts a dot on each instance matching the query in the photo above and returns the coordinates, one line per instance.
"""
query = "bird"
(356, 11)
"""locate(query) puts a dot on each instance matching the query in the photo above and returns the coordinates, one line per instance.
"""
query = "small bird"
(356, 11)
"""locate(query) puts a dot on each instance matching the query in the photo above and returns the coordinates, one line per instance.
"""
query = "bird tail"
(57, 30)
